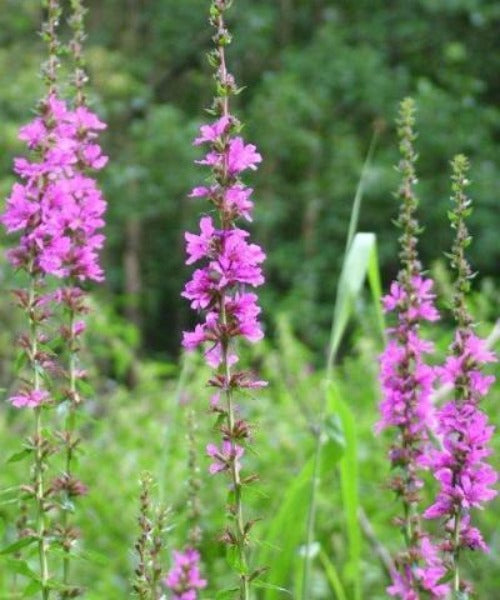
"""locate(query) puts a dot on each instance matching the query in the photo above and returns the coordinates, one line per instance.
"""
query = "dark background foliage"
(320, 76)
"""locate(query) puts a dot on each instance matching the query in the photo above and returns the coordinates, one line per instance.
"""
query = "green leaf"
(226, 593)
(333, 576)
(31, 589)
(18, 456)
(283, 536)
(334, 431)
(20, 361)
(361, 263)
(19, 545)
(358, 197)
(9, 492)
(269, 586)
(21, 567)
(349, 485)
(234, 560)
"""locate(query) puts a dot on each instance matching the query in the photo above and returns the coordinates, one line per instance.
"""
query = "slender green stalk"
(332, 352)
(74, 305)
(39, 442)
(459, 262)
(222, 77)
(194, 484)
(76, 22)
(235, 476)
(70, 444)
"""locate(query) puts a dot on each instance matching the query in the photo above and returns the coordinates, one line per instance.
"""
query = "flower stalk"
(149, 545)
(464, 476)
(407, 382)
(57, 209)
(231, 264)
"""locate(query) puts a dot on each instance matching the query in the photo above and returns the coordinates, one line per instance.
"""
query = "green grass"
(128, 431)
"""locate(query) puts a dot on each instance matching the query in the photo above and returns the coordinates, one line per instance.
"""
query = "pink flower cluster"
(465, 478)
(57, 207)
(407, 582)
(407, 386)
(184, 578)
(231, 263)
(58, 210)
(405, 377)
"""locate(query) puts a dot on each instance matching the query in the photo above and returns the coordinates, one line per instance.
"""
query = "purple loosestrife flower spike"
(464, 476)
(149, 545)
(184, 578)
(231, 266)
(407, 382)
(29, 212)
(57, 210)
(80, 218)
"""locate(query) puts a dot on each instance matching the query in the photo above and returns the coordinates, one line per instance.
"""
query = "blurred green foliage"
(128, 430)
(319, 76)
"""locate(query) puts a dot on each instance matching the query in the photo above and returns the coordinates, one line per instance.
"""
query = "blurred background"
(321, 78)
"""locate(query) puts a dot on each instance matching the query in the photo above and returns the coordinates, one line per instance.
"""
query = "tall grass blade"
(358, 197)
(349, 486)
(279, 548)
(333, 576)
(360, 261)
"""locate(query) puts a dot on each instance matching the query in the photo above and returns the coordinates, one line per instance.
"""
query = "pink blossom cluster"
(230, 265)
(407, 582)
(184, 578)
(465, 478)
(405, 377)
(57, 207)
(58, 210)
(407, 385)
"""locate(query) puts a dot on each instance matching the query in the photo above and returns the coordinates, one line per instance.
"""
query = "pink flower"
(200, 192)
(30, 399)
(198, 246)
(228, 265)
(433, 572)
(58, 209)
(225, 456)
(465, 479)
(236, 199)
(184, 578)
(192, 339)
(242, 156)
(33, 133)
(20, 209)
(211, 133)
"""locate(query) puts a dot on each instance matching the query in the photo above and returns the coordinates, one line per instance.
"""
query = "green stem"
(39, 451)
(332, 354)
(235, 476)
(69, 427)
(456, 554)
(40, 520)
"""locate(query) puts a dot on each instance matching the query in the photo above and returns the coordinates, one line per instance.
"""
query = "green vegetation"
(323, 79)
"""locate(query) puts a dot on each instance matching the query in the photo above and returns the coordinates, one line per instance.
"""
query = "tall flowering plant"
(29, 211)
(149, 545)
(219, 289)
(82, 219)
(407, 381)
(57, 210)
(464, 476)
